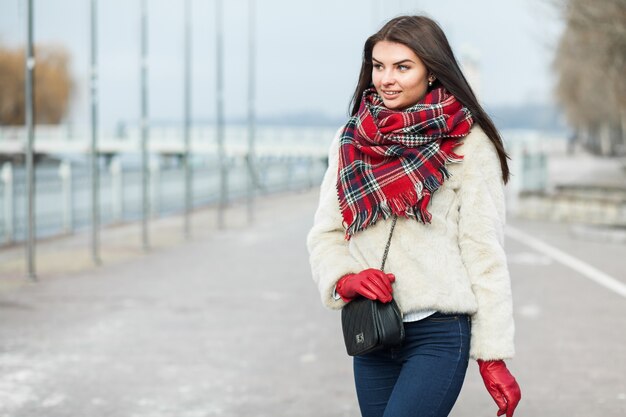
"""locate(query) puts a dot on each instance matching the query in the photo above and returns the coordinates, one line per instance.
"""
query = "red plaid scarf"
(390, 162)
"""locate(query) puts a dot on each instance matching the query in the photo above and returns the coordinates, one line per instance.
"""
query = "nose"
(388, 78)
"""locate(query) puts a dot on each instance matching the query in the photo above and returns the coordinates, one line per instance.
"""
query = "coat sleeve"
(329, 256)
(481, 241)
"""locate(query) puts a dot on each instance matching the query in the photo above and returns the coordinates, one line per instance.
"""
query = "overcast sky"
(308, 52)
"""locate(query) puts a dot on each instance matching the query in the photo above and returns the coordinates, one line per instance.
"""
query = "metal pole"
(117, 189)
(220, 118)
(144, 127)
(251, 108)
(95, 174)
(30, 162)
(9, 204)
(187, 122)
(155, 188)
(65, 174)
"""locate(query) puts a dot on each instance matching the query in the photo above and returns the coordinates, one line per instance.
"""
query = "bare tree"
(53, 85)
(590, 61)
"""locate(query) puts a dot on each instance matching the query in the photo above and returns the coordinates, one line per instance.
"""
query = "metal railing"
(63, 191)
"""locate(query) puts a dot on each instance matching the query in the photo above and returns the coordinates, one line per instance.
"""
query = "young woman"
(419, 146)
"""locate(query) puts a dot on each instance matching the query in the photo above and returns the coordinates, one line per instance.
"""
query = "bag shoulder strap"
(393, 225)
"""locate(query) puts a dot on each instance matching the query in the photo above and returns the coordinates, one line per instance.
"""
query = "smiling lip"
(390, 95)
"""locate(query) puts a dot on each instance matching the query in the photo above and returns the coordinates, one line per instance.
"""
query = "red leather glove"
(371, 283)
(501, 385)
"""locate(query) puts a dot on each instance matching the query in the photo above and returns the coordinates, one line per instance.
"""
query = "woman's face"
(400, 77)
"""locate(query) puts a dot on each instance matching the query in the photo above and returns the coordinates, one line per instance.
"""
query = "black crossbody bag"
(370, 325)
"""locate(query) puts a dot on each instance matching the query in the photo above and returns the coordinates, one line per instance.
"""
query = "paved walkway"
(230, 324)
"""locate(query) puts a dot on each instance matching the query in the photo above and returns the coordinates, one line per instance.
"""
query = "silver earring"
(430, 83)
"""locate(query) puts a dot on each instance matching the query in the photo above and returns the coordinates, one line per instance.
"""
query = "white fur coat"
(456, 263)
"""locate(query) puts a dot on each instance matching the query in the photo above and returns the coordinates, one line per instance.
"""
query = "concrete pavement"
(230, 324)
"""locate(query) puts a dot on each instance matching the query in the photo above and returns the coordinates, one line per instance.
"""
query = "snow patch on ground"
(19, 378)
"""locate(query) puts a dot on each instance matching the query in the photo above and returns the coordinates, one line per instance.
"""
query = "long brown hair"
(424, 36)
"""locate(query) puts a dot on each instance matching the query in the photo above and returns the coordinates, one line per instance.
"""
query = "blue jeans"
(422, 377)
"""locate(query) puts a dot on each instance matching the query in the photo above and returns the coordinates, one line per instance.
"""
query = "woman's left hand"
(501, 385)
